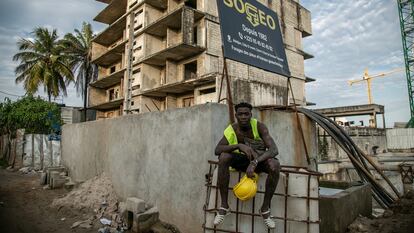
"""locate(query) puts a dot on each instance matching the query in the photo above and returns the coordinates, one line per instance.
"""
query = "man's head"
(243, 114)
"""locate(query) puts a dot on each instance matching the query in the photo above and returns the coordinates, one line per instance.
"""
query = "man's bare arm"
(223, 146)
(269, 142)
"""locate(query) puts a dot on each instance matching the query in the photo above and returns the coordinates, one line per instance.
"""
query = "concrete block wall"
(364, 138)
(161, 157)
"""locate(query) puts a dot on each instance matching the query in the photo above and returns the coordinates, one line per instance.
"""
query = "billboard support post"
(229, 98)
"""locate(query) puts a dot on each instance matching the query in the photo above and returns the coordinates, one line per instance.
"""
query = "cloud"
(349, 36)
(18, 18)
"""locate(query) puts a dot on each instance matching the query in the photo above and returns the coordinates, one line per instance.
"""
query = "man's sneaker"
(220, 217)
(269, 222)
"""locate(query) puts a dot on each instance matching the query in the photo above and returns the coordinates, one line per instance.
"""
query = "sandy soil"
(398, 219)
(26, 207)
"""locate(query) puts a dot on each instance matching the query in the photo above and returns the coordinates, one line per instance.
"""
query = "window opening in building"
(136, 71)
(138, 27)
(195, 37)
(208, 91)
(138, 12)
(188, 102)
(112, 69)
(132, 103)
(190, 70)
(111, 94)
(191, 3)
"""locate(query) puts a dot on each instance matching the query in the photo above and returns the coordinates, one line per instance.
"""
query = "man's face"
(243, 116)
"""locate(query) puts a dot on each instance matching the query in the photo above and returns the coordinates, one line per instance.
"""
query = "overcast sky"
(348, 36)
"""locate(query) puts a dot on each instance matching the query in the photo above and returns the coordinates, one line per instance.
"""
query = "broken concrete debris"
(396, 219)
(82, 224)
(135, 205)
(43, 177)
(98, 196)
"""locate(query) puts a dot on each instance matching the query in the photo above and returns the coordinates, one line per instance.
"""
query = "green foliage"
(43, 63)
(323, 147)
(32, 114)
(78, 48)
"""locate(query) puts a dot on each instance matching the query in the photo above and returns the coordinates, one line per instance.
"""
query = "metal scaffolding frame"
(406, 13)
(285, 170)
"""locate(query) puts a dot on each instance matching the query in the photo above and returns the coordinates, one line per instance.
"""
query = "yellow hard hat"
(246, 188)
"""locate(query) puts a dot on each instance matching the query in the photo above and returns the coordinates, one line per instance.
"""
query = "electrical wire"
(3, 92)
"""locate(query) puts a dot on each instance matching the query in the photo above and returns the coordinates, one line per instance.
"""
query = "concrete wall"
(400, 140)
(161, 157)
(364, 138)
(339, 210)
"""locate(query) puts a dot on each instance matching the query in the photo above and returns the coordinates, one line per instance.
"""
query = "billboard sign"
(251, 34)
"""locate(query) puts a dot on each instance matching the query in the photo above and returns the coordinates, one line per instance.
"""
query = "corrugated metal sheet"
(400, 138)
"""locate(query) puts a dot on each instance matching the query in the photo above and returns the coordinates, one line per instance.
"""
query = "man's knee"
(225, 158)
(273, 166)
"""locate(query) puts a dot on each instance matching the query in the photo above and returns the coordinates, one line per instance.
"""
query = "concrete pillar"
(187, 24)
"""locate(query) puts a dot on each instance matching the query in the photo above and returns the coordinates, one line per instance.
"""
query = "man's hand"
(249, 152)
(250, 170)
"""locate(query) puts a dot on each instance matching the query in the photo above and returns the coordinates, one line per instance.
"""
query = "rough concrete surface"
(398, 219)
(162, 157)
(339, 210)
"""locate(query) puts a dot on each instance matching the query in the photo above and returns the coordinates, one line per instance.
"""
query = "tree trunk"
(85, 95)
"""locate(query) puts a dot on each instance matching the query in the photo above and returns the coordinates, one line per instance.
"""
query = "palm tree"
(79, 48)
(42, 63)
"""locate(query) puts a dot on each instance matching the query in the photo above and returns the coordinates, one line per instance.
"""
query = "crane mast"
(406, 14)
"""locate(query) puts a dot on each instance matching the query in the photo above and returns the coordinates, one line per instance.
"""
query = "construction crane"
(368, 78)
(406, 14)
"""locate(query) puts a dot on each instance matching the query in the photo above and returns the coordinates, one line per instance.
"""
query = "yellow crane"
(368, 78)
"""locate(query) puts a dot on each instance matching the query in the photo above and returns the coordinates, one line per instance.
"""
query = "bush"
(32, 114)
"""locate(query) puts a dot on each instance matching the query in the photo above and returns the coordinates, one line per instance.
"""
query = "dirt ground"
(398, 219)
(25, 207)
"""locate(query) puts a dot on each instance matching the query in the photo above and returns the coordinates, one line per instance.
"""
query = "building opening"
(190, 70)
(208, 91)
(188, 102)
(191, 3)
(195, 37)
(112, 69)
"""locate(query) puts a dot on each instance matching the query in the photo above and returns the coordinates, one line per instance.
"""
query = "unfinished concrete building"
(163, 54)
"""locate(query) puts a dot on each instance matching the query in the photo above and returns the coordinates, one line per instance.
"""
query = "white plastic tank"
(299, 210)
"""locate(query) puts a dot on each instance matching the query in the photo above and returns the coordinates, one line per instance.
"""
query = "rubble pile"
(94, 194)
(398, 219)
(98, 196)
